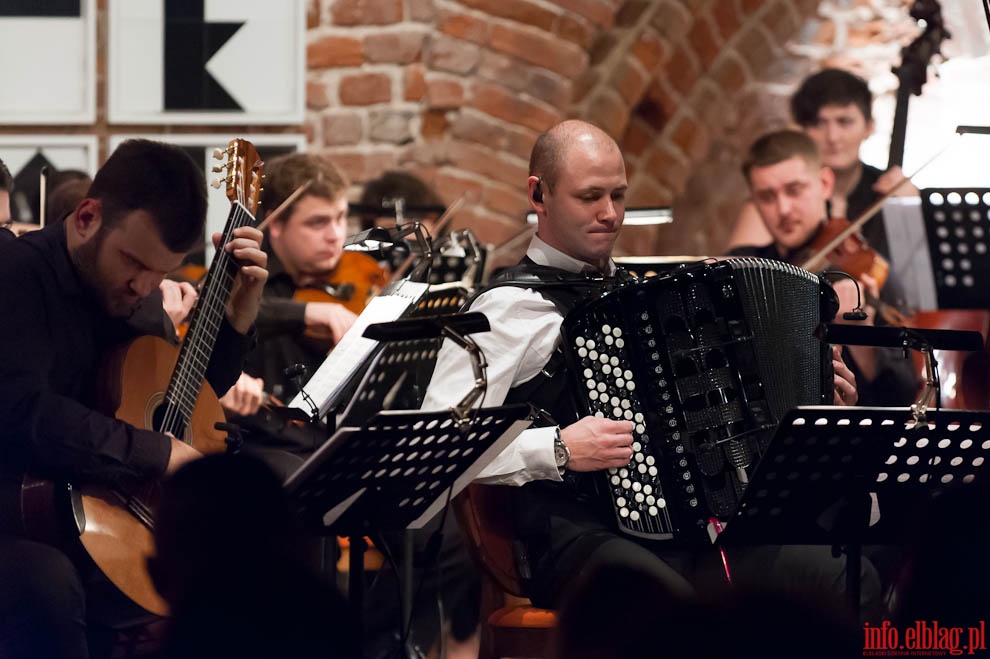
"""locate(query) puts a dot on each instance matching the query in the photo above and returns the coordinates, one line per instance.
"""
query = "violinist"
(834, 108)
(789, 187)
(305, 248)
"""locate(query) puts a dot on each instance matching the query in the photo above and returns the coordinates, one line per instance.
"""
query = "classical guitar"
(150, 384)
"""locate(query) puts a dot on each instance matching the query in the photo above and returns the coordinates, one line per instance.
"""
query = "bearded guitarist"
(70, 293)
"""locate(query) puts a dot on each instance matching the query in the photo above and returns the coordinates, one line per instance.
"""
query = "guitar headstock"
(244, 172)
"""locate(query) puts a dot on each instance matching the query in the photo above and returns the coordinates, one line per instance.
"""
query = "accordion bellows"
(704, 361)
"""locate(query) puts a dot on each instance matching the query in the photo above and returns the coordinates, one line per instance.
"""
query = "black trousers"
(449, 576)
(809, 573)
(42, 602)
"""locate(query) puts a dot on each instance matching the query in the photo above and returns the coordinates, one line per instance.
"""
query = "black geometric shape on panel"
(190, 43)
(183, 10)
(25, 204)
(47, 9)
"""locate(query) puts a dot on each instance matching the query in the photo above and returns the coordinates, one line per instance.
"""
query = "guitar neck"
(207, 318)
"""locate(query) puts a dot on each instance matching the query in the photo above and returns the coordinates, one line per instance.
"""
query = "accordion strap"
(561, 287)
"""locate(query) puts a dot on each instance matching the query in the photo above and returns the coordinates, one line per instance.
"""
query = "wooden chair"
(511, 626)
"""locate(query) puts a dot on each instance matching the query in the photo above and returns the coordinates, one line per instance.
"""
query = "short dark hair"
(830, 87)
(6, 180)
(413, 191)
(161, 179)
(285, 173)
(778, 146)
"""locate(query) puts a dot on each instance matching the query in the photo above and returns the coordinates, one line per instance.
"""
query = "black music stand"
(925, 341)
(400, 372)
(814, 483)
(395, 473)
(957, 223)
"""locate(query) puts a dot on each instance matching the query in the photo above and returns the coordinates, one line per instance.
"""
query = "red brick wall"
(458, 91)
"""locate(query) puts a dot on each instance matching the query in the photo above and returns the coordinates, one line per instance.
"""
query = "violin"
(353, 283)
(850, 254)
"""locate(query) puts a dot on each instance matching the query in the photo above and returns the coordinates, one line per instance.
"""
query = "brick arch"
(455, 90)
(458, 90)
(667, 92)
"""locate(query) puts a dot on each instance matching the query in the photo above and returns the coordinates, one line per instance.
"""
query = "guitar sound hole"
(158, 421)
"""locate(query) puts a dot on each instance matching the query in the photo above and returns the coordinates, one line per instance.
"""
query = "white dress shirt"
(525, 331)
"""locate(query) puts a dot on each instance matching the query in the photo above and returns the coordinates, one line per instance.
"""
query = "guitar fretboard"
(194, 356)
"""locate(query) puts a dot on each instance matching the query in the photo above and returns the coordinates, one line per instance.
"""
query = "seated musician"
(577, 186)
(305, 245)
(380, 205)
(71, 292)
(834, 108)
(789, 187)
(420, 203)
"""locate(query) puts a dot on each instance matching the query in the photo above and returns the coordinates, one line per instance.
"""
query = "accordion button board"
(703, 362)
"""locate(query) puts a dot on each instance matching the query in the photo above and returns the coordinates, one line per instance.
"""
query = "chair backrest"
(484, 512)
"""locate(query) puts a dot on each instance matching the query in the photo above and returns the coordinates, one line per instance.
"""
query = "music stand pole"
(397, 472)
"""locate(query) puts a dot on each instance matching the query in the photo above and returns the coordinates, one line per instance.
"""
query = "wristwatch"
(561, 454)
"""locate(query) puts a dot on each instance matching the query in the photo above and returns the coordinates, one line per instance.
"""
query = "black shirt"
(281, 335)
(53, 337)
(861, 197)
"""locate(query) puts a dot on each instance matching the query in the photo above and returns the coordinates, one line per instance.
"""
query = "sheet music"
(910, 260)
(353, 350)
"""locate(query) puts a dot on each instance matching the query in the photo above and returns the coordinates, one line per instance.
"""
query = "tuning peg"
(218, 154)
(217, 168)
(217, 182)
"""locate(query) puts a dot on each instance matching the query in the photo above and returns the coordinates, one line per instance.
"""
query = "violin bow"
(285, 204)
(817, 260)
(442, 222)
(448, 215)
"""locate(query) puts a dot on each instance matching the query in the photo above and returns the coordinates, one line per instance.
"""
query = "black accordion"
(704, 361)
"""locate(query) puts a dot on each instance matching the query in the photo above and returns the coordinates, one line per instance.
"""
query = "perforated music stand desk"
(813, 484)
(957, 225)
(401, 371)
(395, 472)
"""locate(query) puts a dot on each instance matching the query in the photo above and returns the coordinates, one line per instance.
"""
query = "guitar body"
(118, 540)
(133, 384)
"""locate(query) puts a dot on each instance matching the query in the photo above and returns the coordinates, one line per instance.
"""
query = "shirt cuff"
(542, 455)
(530, 457)
(150, 453)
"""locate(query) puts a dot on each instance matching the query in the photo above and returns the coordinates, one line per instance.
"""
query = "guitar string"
(182, 397)
(202, 334)
(200, 342)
